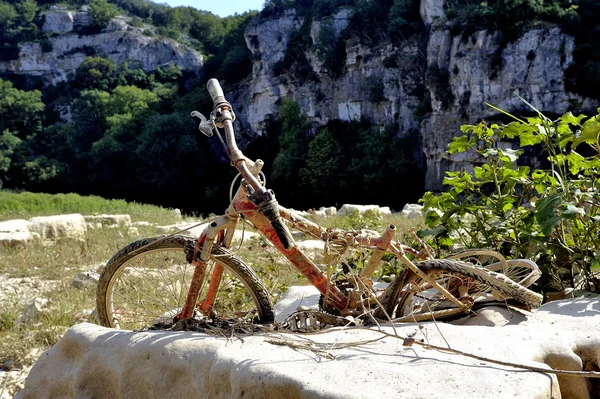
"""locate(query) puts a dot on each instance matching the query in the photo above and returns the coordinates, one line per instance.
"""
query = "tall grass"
(25, 205)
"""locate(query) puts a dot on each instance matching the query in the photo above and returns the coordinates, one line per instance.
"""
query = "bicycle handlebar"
(216, 93)
(260, 196)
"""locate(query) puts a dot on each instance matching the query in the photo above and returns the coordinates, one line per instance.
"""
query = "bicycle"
(171, 278)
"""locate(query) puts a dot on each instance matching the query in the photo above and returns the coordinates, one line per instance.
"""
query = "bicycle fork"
(220, 231)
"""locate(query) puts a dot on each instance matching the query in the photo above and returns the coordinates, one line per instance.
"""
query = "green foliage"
(344, 163)
(356, 221)
(8, 143)
(547, 215)
(27, 10)
(97, 73)
(102, 12)
(330, 49)
(7, 15)
(21, 111)
(373, 85)
(322, 166)
(293, 142)
(294, 61)
(439, 80)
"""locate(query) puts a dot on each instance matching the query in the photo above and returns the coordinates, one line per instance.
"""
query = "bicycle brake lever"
(206, 126)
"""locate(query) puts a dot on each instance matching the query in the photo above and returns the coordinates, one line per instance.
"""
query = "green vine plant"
(550, 215)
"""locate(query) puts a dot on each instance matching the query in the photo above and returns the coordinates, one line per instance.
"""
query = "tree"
(130, 99)
(102, 12)
(293, 143)
(21, 112)
(96, 73)
(320, 175)
(26, 10)
(8, 144)
(7, 14)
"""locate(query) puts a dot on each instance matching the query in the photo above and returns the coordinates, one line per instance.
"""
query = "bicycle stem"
(264, 199)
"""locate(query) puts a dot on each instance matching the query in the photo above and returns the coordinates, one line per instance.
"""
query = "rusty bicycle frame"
(221, 231)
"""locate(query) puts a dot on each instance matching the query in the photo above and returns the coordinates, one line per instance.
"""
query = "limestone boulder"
(109, 220)
(91, 361)
(349, 209)
(412, 211)
(431, 10)
(59, 226)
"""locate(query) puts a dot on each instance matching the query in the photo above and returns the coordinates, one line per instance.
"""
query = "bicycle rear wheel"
(410, 298)
(146, 283)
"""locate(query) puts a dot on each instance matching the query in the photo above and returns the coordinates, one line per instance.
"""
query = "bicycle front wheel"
(146, 283)
(411, 298)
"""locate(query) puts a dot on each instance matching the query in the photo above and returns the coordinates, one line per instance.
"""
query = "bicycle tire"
(119, 300)
(398, 298)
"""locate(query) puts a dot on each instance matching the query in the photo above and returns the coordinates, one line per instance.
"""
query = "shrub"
(547, 215)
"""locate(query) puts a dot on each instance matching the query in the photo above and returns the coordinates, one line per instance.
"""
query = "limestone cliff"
(57, 59)
(432, 85)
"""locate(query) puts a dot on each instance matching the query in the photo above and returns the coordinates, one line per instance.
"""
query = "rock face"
(431, 90)
(119, 42)
(61, 20)
(91, 361)
(479, 70)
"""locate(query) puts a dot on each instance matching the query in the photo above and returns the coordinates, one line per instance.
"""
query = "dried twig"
(411, 341)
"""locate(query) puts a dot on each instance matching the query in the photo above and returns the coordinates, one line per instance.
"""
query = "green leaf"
(545, 213)
(433, 217)
(512, 130)
(460, 144)
(595, 267)
(431, 232)
(589, 133)
(509, 155)
(565, 139)
(507, 206)
(489, 152)
(446, 241)
(530, 136)
(571, 211)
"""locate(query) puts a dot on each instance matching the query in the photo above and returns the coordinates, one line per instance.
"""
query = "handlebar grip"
(282, 233)
(216, 93)
(269, 207)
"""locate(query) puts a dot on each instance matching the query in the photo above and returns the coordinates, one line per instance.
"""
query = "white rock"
(329, 211)
(349, 209)
(117, 24)
(431, 9)
(311, 245)
(17, 239)
(323, 212)
(58, 22)
(59, 226)
(294, 297)
(143, 223)
(33, 311)
(106, 220)
(85, 279)
(15, 226)
(18, 290)
(94, 361)
(412, 211)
